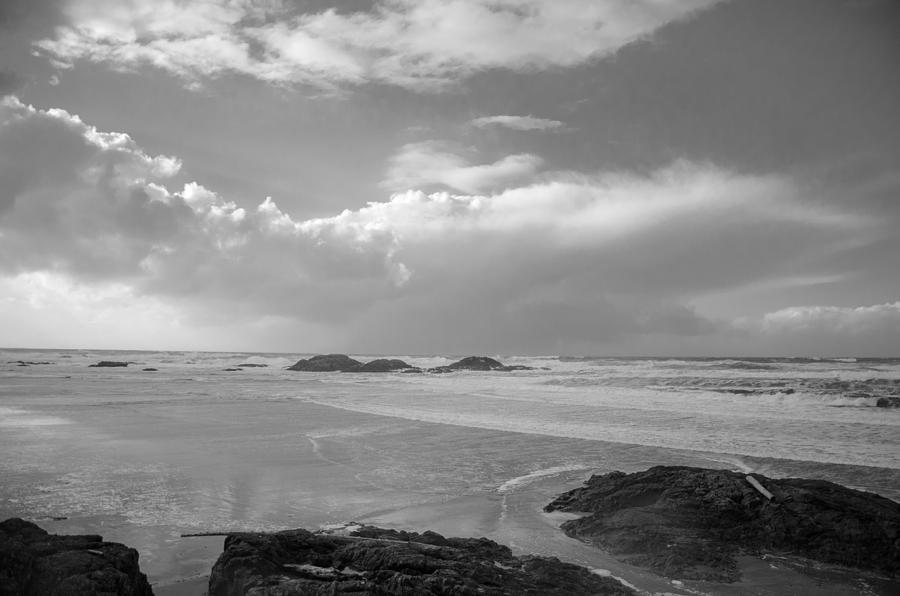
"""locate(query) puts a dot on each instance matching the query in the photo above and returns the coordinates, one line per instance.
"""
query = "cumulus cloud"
(517, 122)
(430, 163)
(92, 205)
(419, 44)
(536, 267)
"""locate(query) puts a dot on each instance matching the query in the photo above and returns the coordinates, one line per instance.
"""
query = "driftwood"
(344, 536)
(762, 490)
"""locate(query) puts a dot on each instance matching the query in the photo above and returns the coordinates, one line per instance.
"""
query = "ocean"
(143, 457)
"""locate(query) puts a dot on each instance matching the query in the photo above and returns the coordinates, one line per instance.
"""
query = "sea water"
(143, 457)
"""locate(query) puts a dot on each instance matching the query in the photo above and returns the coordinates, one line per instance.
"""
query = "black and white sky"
(608, 177)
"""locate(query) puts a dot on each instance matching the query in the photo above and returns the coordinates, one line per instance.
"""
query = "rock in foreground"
(108, 364)
(35, 563)
(375, 561)
(326, 363)
(691, 522)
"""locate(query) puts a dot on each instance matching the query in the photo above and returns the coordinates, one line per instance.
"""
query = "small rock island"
(344, 363)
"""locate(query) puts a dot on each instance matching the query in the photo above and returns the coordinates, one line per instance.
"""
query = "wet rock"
(888, 402)
(149, 369)
(233, 369)
(252, 365)
(108, 364)
(373, 561)
(476, 363)
(690, 523)
(482, 363)
(35, 563)
(326, 363)
(382, 365)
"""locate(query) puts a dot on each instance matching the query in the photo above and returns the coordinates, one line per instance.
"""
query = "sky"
(536, 177)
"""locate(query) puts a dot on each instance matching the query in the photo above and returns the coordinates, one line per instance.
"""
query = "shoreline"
(516, 519)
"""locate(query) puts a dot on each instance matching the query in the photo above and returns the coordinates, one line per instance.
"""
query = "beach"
(143, 457)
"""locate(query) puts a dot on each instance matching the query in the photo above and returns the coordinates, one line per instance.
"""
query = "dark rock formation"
(476, 363)
(233, 369)
(691, 522)
(375, 561)
(482, 363)
(149, 369)
(343, 363)
(382, 365)
(35, 563)
(27, 363)
(108, 364)
(251, 365)
(326, 363)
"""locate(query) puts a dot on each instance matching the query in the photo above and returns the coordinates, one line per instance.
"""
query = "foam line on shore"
(18, 418)
(756, 447)
(520, 481)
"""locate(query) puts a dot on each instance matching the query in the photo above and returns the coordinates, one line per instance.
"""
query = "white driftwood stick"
(762, 490)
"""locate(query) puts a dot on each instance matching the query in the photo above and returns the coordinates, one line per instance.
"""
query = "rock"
(35, 563)
(888, 402)
(233, 369)
(690, 523)
(375, 561)
(326, 363)
(482, 363)
(28, 363)
(149, 369)
(108, 364)
(251, 365)
(382, 365)
(476, 363)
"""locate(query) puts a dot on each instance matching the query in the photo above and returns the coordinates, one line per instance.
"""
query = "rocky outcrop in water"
(326, 363)
(35, 563)
(373, 561)
(343, 363)
(482, 363)
(383, 365)
(108, 364)
(690, 523)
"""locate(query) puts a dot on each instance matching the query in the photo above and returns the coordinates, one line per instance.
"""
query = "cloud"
(430, 163)
(567, 260)
(418, 44)
(827, 330)
(834, 319)
(93, 206)
(517, 122)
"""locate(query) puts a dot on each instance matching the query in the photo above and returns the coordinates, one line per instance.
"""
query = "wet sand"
(188, 587)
